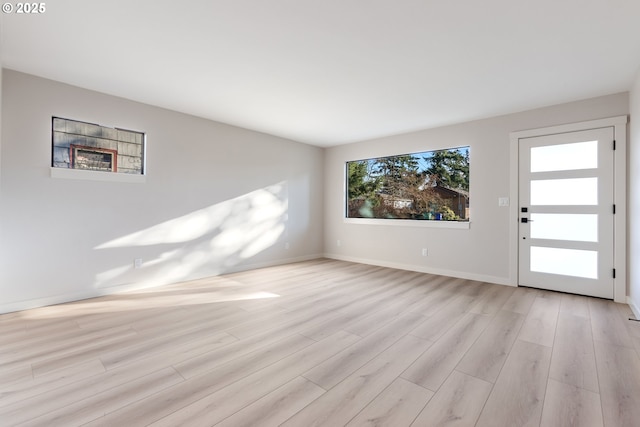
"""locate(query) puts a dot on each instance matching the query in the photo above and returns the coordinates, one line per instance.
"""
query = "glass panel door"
(566, 212)
(571, 191)
(564, 157)
(576, 227)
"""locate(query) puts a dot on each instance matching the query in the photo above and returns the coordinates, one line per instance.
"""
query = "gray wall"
(480, 252)
(216, 199)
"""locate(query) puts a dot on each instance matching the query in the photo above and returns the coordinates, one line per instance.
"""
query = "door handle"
(525, 220)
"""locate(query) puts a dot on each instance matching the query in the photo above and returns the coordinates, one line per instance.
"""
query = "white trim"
(88, 175)
(112, 290)
(408, 223)
(634, 308)
(255, 266)
(571, 127)
(398, 222)
(422, 269)
(619, 124)
(47, 301)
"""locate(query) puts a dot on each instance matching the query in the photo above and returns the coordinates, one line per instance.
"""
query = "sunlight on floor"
(115, 304)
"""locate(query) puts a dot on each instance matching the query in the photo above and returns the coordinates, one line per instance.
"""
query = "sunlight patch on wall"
(255, 208)
(209, 240)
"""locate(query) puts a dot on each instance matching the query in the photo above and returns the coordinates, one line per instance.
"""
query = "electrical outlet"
(286, 246)
(425, 252)
(137, 263)
(338, 243)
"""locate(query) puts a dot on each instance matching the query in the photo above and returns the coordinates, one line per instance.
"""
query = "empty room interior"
(320, 213)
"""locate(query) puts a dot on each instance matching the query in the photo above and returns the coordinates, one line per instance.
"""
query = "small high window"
(87, 146)
(430, 185)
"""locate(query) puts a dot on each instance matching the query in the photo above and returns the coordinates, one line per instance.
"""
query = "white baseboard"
(255, 266)
(423, 269)
(634, 307)
(50, 300)
(130, 287)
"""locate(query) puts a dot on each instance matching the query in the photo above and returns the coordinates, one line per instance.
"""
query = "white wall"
(480, 252)
(216, 199)
(634, 198)
(1, 70)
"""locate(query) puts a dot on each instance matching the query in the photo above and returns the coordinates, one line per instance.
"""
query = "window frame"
(99, 175)
(402, 222)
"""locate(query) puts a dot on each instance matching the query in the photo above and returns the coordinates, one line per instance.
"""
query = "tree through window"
(430, 185)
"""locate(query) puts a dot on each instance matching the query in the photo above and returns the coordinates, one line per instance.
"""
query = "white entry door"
(566, 212)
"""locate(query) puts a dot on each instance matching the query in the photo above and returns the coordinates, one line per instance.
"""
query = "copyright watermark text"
(27, 8)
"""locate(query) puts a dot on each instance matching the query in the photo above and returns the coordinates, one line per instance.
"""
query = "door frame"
(619, 125)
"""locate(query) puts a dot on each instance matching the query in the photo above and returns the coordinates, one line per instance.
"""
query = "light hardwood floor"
(323, 343)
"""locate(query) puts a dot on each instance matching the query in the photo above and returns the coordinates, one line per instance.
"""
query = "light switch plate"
(503, 201)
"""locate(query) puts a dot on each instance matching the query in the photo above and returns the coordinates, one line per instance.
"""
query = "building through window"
(430, 185)
(80, 145)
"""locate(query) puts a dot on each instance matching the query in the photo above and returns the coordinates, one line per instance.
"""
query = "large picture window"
(430, 185)
(87, 146)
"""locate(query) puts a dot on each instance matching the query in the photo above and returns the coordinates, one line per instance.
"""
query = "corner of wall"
(633, 293)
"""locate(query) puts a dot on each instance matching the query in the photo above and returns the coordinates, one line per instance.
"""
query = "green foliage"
(448, 214)
(450, 168)
(361, 189)
(397, 173)
(404, 187)
(360, 183)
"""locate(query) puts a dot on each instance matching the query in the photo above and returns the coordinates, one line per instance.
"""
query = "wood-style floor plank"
(457, 404)
(21, 390)
(607, 324)
(323, 342)
(277, 406)
(575, 304)
(227, 401)
(217, 406)
(569, 406)
(521, 300)
(518, 395)
(574, 361)
(258, 350)
(335, 369)
(97, 405)
(492, 300)
(228, 371)
(441, 321)
(619, 378)
(435, 365)
(60, 348)
(398, 405)
(18, 374)
(540, 324)
(353, 394)
(486, 356)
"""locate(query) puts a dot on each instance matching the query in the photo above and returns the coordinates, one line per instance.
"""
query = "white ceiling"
(329, 72)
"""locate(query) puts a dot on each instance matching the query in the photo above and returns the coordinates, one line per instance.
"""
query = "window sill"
(87, 175)
(409, 223)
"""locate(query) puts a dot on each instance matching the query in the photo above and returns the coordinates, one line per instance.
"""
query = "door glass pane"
(562, 157)
(576, 227)
(573, 191)
(567, 262)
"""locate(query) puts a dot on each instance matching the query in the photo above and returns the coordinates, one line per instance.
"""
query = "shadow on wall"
(209, 241)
